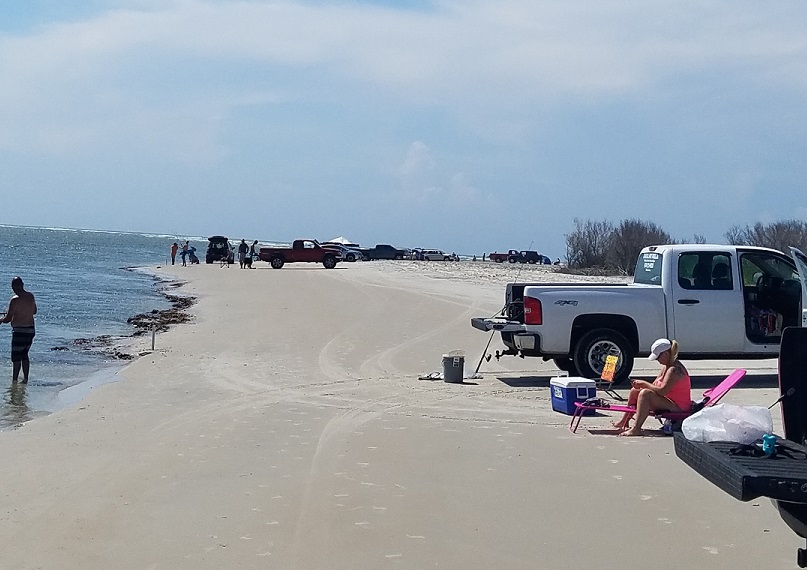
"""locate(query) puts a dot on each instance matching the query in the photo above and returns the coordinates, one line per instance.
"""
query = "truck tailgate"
(496, 324)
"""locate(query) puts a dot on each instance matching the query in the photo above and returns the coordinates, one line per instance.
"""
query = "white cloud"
(462, 53)
(418, 161)
(423, 181)
(460, 190)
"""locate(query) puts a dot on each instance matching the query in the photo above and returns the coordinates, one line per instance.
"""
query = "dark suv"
(218, 249)
(526, 257)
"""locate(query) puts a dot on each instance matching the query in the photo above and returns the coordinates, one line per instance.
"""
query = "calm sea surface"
(83, 290)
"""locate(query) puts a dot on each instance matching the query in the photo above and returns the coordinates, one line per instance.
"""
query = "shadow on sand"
(699, 383)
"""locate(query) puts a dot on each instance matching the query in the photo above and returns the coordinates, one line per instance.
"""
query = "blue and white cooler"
(566, 390)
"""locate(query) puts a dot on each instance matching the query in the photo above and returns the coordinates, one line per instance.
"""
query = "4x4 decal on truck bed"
(562, 302)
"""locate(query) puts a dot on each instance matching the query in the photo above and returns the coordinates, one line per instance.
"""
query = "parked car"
(526, 256)
(350, 254)
(717, 301)
(502, 257)
(436, 255)
(515, 256)
(383, 251)
(219, 249)
(301, 250)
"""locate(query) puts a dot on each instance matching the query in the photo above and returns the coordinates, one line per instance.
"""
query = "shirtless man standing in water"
(21, 311)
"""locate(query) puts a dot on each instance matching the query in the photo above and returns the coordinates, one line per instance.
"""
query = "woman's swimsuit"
(679, 394)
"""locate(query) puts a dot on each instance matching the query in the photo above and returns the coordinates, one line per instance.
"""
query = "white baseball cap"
(661, 345)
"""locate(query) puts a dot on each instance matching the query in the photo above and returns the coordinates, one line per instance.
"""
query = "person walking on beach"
(184, 253)
(252, 252)
(242, 252)
(174, 249)
(21, 311)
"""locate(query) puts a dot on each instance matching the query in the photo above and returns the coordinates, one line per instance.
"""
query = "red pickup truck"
(502, 257)
(301, 250)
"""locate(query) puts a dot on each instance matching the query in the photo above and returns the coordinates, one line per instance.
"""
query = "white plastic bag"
(727, 422)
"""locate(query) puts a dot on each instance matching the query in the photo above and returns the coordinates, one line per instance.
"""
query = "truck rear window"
(648, 269)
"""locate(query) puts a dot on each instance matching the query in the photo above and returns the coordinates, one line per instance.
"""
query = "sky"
(468, 126)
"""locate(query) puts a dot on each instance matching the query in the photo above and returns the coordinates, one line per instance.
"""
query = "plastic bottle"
(769, 445)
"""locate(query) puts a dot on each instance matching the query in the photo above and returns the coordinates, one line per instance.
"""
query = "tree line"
(615, 247)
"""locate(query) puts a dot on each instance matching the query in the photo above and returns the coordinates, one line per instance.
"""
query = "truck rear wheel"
(276, 262)
(595, 345)
(512, 259)
(329, 262)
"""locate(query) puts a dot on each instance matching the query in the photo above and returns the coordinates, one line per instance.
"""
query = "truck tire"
(276, 262)
(567, 365)
(592, 348)
(351, 257)
(499, 260)
(329, 262)
(512, 259)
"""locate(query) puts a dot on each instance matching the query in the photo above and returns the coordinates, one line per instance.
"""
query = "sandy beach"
(285, 427)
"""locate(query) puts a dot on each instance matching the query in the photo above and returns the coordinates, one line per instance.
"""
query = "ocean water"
(85, 288)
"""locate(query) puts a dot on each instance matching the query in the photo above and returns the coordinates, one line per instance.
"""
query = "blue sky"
(464, 125)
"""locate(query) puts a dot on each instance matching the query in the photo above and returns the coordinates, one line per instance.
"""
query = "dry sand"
(286, 428)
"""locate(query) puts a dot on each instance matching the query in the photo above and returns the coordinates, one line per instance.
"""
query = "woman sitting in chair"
(670, 391)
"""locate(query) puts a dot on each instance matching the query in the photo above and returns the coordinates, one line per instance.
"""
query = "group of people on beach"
(187, 253)
(246, 253)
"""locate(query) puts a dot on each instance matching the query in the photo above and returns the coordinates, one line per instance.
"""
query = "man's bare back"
(21, 310)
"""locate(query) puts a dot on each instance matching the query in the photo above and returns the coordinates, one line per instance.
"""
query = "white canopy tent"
(341, 239)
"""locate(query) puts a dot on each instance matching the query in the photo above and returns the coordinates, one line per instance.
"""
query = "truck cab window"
(771, 290)
(648, 269)
(705, 271)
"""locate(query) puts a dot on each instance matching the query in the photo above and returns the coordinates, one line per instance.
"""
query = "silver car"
(436, 255)
(348, 253)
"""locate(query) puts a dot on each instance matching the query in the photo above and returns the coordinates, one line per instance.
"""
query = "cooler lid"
(572, 382)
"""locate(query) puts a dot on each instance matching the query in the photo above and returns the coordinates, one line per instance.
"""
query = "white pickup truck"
(717, 301)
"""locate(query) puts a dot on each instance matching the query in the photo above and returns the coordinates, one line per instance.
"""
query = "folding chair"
(710, 397)
(606, 381)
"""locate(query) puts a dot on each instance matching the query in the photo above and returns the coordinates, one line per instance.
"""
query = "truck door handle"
(688, 301)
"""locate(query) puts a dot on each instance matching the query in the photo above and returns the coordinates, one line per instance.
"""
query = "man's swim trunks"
(21, 339)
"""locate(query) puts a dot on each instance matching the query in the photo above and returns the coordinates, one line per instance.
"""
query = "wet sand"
(285, 427)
